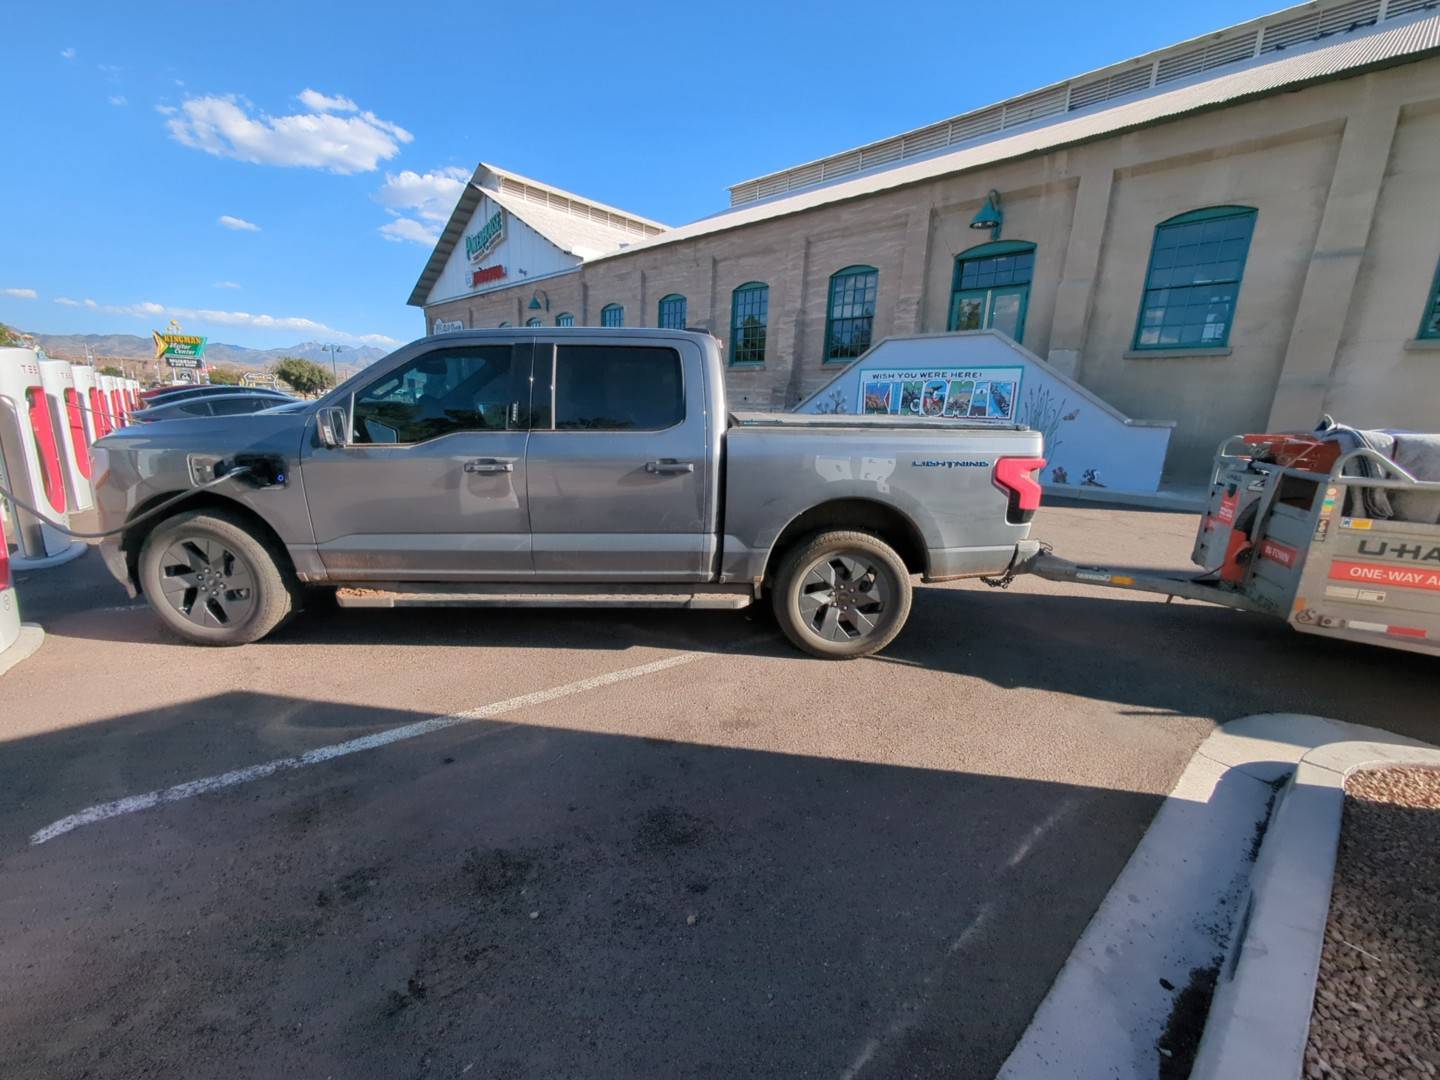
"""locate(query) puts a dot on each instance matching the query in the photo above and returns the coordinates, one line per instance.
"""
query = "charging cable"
(241, 470)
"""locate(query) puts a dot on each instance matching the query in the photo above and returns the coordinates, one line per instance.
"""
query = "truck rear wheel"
(840, 595)
(213, 581)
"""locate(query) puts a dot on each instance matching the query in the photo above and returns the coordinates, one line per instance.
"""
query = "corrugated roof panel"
(1328, 59)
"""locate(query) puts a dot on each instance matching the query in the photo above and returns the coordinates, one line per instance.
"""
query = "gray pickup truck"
(560, 467)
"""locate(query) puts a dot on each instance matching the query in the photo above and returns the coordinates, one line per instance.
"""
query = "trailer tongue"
(1282, 537)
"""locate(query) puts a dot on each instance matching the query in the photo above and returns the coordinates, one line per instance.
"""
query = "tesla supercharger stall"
(9, 607)
(89, 395)
(67, 418)
(116, 400)
(30, 463)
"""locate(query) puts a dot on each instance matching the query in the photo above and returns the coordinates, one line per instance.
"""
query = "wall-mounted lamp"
(990, 215)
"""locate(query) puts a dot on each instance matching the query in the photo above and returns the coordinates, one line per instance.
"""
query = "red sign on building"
(486, 274)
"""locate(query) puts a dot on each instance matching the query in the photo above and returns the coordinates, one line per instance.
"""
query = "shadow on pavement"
(529, 902)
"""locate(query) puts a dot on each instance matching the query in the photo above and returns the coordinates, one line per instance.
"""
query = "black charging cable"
(238, 471)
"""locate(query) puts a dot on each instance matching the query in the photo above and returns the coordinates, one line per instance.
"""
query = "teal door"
(992, 287)
(987, 309)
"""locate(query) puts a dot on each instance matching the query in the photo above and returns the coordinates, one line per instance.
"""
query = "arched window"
(503, 325)
(535, 321)
(1430, 321)
(991, 288)
(749, 320)
(850, 316)
(1193, 281)
(672, 312)
(565, 319)
(612, 315)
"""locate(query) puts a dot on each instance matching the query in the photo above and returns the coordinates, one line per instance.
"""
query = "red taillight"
(1016, 477)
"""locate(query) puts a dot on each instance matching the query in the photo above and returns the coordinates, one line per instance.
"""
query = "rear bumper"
(946, 564)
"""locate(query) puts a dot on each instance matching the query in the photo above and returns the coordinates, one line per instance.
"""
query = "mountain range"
(133, 347)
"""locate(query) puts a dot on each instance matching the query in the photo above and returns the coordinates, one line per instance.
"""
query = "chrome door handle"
(489, 465)
(669, 466)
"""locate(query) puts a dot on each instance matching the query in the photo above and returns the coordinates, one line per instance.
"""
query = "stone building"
(1238, 232)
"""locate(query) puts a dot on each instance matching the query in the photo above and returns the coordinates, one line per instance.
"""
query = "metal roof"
(1231, 46)
(1395, 42)
(578, 226)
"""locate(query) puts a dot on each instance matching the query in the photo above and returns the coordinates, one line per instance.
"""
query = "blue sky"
(269, 173)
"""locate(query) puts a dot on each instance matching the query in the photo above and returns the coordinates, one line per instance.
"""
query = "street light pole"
(334, 369)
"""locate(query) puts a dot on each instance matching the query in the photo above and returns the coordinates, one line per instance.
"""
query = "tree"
(225, 375)
(9, 335)
(111, 369)
(304, 376)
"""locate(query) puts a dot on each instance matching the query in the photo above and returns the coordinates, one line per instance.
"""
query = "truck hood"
(272, 428)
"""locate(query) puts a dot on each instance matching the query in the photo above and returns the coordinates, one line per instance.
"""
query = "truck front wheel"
(213, 581)
(841, 594)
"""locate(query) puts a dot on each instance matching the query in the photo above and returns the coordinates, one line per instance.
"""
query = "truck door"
(618, 472)
(431, 485)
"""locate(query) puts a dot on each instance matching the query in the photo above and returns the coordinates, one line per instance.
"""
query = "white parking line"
(132, 803)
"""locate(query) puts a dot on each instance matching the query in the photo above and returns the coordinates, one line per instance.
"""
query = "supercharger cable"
(242, 470)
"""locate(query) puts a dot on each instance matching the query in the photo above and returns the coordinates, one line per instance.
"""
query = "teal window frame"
(850, 313)
(749, 324)
(612, 315)
(534, 320)
(997, 267)
(1430, 318)
(1211, 238)
(671, 312)
(565, 319)
(502, 325)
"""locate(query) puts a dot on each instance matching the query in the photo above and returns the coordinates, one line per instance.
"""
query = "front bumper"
(113, 555)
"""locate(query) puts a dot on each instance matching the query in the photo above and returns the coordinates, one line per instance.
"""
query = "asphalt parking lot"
(639, 844)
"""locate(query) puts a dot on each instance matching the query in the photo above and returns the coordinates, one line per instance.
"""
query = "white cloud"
(149, 309)
(238, 224)
(226, 285)
(408, 230)
(66, 301)
(166, 110)
(313, 99)
(68, 54)
(118, 99)
(225, 127)
(23, 294)
(430, 195)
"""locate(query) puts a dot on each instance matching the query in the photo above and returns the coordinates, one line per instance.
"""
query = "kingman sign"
(480, 244)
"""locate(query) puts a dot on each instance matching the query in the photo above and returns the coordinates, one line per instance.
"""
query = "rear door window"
(466, 388)
(617, 388)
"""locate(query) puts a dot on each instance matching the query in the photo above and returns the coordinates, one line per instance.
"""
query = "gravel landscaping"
(1377, 1000)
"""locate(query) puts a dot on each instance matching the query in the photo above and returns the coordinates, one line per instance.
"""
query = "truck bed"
(845, 420)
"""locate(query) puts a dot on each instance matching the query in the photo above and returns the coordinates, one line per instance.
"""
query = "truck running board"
(511, 594)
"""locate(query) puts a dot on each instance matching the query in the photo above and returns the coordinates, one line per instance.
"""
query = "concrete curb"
(24, 646)
(1174, 906)
(1260, 1017)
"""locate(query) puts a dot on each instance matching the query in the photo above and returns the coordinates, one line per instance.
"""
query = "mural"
(983, 377)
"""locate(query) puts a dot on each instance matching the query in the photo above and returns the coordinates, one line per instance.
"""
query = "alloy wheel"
(844, 596)
(207, 583)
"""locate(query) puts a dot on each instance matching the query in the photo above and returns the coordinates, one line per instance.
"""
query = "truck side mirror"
(331, 425)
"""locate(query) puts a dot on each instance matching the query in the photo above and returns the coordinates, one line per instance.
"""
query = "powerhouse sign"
(977, 393)
(480, 244)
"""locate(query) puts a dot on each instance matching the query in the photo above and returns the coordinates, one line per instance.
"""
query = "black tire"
(237, 587)
(841, 594)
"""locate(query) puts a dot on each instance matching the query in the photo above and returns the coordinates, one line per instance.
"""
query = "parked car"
(190, 393)
(562, 467)
(210, 405)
